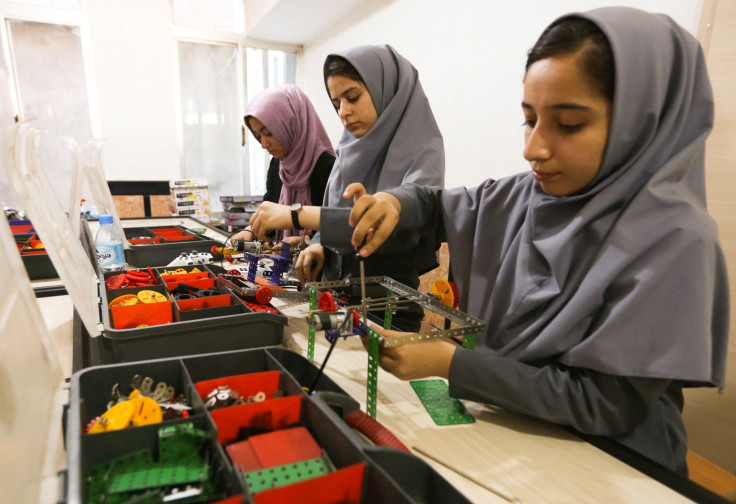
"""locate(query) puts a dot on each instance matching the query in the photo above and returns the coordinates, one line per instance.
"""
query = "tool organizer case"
(173, 328)
(356, 468)
(160, 244)
(35, 259)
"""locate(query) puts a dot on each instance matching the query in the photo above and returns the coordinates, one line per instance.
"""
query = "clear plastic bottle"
(109, 245)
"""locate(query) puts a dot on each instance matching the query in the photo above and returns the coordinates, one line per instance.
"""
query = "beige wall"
(710, 417)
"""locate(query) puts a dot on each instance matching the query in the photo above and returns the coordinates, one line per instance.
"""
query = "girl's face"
(353, 104)
(267, 140)
(566, 127)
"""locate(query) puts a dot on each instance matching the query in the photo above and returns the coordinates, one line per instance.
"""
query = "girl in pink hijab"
(285, 123)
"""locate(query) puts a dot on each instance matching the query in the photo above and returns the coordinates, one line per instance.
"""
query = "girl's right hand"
(310, 262)
(244, 235)
(374, 217)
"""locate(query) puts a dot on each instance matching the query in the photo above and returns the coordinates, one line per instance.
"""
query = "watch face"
(296, 206)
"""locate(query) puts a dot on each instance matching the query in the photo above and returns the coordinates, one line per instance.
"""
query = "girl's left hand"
(291, 241)
(269, 217)
(415, 360)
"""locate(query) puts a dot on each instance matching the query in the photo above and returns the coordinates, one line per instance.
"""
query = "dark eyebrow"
(560, 106)
(261, 130)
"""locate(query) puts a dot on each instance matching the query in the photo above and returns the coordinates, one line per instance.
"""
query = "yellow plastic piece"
(443, 290)
(145, 411)
(124, 300)
(134, 412)
(149, 296)
(116, 418)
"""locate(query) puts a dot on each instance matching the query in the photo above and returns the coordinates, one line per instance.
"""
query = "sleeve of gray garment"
(421, 210)
(317, 238)
(335, 232)
(589, 401)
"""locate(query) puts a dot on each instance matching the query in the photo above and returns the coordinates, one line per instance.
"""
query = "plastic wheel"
(446, 292)
(326, 302)
(264, 295)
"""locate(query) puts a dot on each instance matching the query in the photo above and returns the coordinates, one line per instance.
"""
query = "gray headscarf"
(404, 145)
(626, 277)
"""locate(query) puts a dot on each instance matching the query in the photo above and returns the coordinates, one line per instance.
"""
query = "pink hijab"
(290, 117)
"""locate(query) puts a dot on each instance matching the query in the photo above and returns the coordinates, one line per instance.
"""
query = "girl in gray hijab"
(599, 274)
(390, 138)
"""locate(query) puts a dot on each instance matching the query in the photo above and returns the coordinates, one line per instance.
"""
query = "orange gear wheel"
(326, 302)
(446, 292)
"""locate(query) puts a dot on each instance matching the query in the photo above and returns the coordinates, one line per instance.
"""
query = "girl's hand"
(245, 235)
(415, 360)
(269, 217)
(373, 216)
(291, 241)
(310, 262)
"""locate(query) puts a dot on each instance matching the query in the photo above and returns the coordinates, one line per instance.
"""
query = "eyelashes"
(565, 128)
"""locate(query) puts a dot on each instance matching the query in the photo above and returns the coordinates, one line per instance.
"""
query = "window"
(211, 117)
(58, 102)
(264, 69)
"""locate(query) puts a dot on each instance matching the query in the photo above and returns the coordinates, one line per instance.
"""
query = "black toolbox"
(177, 331)
(161, 240)
(35, 258)
(347, 464)
(99, 339)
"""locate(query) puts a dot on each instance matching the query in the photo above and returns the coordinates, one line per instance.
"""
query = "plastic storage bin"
(358, 471)
(160, 245)
(35, 259)
(175, 328)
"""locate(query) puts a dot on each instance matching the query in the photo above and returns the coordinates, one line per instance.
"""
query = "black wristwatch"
(295, 209)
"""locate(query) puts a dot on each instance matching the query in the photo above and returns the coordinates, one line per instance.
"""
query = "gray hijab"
(626, 277)
(405, 144)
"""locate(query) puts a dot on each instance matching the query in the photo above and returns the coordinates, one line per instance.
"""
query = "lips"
(351, 126)
(544, 176)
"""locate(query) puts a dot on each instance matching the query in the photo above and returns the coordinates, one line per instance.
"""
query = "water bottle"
(109, 245)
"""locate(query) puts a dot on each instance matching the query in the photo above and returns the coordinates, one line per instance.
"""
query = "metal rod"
(362, 290)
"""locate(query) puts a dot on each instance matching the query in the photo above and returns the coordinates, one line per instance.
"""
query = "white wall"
(470, 55)
(134, 57)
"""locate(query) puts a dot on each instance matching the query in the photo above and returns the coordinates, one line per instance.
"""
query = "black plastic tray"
(163, 253)
(38, 266)
(234, 327)
(390, 475)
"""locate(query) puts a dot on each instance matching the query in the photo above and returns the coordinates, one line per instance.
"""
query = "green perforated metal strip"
(274, 477)
(444, 410)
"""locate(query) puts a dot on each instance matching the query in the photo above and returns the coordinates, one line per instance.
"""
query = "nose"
(537, 147)
(344, 110)
(264, 142)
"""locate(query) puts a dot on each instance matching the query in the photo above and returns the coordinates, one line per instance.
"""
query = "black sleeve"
(320, 174)
(273, 182)
(589, 401)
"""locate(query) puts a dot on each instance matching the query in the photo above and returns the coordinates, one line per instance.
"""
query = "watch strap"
(295, 219)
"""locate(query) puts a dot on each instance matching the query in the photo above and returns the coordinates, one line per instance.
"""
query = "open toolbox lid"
(88, 165)
(49, 219)
(31, 387)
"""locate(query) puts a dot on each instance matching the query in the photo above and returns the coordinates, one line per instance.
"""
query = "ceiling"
(300, 21)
